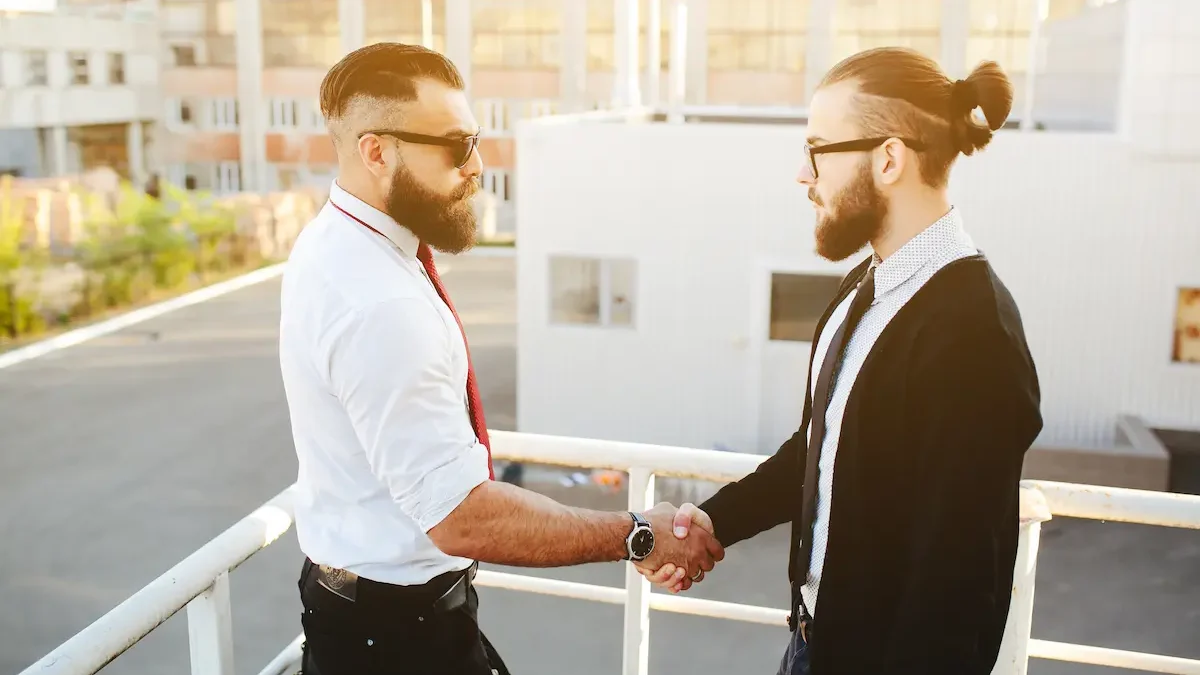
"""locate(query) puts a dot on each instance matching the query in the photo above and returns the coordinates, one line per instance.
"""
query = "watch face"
(642, 543)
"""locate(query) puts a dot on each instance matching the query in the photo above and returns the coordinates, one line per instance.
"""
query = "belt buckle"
(341, 583)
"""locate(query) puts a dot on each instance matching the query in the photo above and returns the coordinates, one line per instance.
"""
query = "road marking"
(102, 328)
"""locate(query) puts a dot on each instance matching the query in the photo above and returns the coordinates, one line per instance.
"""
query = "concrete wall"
(1092, 238)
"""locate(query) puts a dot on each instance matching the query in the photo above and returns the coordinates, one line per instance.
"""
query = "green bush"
(133, 245)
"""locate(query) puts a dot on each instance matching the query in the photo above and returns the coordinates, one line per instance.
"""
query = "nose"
(806, 177)
(474, 166)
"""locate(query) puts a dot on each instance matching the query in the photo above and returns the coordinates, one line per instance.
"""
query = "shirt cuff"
(444, 488)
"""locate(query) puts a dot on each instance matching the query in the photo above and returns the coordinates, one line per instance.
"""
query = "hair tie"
(964, 97)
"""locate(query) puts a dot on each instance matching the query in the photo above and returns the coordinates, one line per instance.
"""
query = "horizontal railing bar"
(1097, 502)
(616, 596)
(713, 465)
(1115, 658)
(290, 656)
(112, 634)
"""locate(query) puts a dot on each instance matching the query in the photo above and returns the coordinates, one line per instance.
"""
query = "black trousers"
(392, 630)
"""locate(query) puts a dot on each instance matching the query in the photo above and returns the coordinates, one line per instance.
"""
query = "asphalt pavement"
(121, 456)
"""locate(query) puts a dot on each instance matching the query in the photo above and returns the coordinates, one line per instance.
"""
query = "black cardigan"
(923, 527)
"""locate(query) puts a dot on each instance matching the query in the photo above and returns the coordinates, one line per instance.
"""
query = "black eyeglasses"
(811, 151)
(460, 148)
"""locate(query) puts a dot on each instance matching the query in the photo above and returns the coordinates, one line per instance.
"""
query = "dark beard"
(854, 219)
(446, 223)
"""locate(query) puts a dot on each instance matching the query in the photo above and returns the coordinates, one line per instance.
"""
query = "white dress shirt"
(897, 280)
(375, 370)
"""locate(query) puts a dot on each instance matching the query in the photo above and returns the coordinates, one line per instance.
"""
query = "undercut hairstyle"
(905, 93)
(368, 81)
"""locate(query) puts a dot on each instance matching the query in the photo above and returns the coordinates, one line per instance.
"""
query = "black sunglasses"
(460, 148)
(811, 151)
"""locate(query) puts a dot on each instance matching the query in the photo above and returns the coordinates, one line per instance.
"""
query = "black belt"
(444, 593)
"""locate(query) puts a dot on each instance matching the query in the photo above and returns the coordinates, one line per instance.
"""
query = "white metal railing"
(201, 581)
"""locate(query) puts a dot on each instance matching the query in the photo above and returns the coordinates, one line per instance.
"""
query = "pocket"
(337, 647)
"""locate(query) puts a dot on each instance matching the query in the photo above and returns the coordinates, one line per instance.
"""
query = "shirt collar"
(399, 235)
(944, 234)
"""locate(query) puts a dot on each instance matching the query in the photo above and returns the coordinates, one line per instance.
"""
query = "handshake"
(684, 547)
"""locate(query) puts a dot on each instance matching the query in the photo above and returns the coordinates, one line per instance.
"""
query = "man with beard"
(394, 505)
(901, 484)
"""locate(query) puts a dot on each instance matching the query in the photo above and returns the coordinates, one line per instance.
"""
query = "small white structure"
(667, 283)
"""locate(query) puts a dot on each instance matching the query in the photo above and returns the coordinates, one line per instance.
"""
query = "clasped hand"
(682, 553)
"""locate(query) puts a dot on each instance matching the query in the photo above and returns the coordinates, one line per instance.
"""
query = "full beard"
(853, 220)
(444, 222)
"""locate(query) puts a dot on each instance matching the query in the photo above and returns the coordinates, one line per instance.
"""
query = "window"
(492, 114)
(35, 64)
(284, 113)
(797, 303)
(1187, 327)
(78, 62)
(499, 183)
(183, 56)
(300, 33)
(859, 25)
(228, 177)
(592, 291)
(180, 112)
(517, 34)
(391, 21)
(116, 68)
(316, 119)
(765, 36)
(190, 176)
(223, 114)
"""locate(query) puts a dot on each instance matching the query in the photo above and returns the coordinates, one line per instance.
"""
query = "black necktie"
(824, 392)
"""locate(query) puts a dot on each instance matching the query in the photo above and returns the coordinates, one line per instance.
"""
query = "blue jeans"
(795, 659)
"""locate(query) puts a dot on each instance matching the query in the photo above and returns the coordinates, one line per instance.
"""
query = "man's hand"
(670, 575)
(679, 553)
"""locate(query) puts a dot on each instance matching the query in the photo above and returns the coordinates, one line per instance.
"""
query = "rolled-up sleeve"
(391, 366)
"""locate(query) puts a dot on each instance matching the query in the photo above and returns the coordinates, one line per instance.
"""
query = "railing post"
(1014, 648)
(210, 630)
(636, 645)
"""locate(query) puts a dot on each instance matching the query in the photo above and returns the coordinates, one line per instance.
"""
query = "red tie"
(475, 404)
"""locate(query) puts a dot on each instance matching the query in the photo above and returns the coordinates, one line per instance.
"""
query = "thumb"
(683, 520)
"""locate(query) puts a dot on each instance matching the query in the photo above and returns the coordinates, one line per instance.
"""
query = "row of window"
(226, 177)
(222, 114)
(766, 35)
(36, 72)
(495, 116)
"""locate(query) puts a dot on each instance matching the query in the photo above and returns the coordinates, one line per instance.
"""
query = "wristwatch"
(640, 542)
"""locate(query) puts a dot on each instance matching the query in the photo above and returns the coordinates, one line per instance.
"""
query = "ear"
(374, 155)
(892, 162)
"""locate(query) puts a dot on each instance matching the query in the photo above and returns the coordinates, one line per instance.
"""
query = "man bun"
(986, 88)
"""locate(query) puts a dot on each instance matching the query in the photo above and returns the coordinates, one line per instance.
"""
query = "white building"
(78, 87)
(667, 283)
